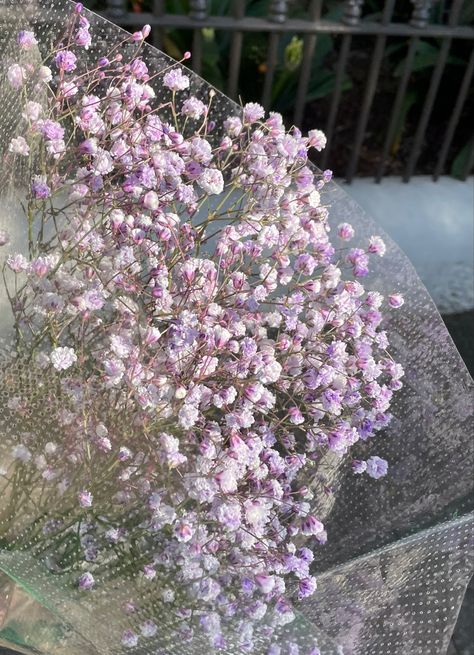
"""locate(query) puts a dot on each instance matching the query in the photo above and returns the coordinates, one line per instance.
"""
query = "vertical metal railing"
(158, 33)
(309, 26)
(278, 14)
(238, 12)
(376, 62)
(351, 17)
(455, 116)
(432, 94)
(198, 13)
(309, 46)
(419, 19)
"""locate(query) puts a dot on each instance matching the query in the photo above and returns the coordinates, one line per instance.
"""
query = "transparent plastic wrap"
(398, 558)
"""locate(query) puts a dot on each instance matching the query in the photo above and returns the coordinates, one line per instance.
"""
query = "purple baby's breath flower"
(345, 231)
(306, 587)
(377, 467)
(317, 139)
(151, 200)
(86, 581)
(176, 80)
(359, 466)
(274, 649)
(83, 38)
(377, 246)
(311, 526)
(32, 111)
(85, 498)
(63, 358)
(295, 415)
(16, 76)
(124, 454)
(211, 181)
(39, 187)
(396, 300)
(19, 146)
(183, 531)
(51, 129)
(129, 639)
(45, 74)
(26, 39)
(327, 175)
(149, 629)
(194, 108)
(252, 112)
(265, 583)
(65, 60)
(22, 453)
(149, 571)
(233, 126)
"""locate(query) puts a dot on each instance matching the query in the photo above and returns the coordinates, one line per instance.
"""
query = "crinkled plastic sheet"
(399, 555)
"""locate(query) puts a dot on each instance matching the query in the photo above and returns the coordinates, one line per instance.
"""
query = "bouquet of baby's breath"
(194, 356)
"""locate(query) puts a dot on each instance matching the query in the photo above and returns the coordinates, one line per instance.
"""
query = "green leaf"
(460, 161)
(426, 57)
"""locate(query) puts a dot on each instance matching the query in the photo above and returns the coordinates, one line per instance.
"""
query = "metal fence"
(352, 24)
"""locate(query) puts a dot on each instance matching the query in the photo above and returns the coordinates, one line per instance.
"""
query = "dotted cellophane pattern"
(394, 571)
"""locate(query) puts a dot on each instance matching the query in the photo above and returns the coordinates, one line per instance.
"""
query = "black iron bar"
(253, 24)
(397, 106)
(336, 96)
(456, 113)
(371, 86)
(158, 34)
(431, 95)
(309, 46)
(235, 54)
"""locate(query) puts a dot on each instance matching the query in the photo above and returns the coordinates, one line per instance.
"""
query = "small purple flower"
(265, 583)
(26, 40)
(149, 572)
(85, 498)
(86, 581)
(194, 108)
(129, 639)
(327, 175)
(317, 139)
(83, 38)
(359, 466)
(311, 526)
(377, 467)
(176, 80)
(149, 629)
(306, 587)
(16, 76)
(183, 531)
(396, 300)
(63, 358)
(39, 187)
(377, 246)
(19, 146)
(295, 416)
(65, 60)
(252, 112)
(151, 200)
(124, 454)
(211, 181)
(345, 231)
